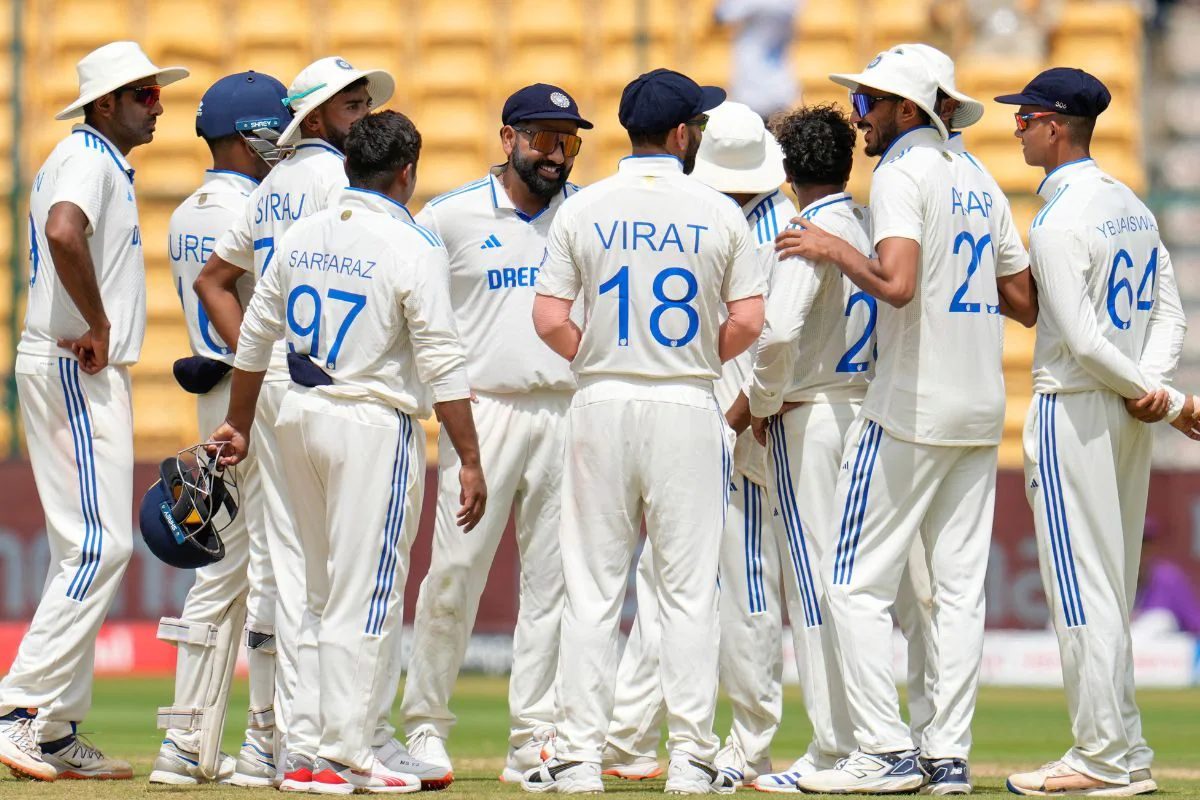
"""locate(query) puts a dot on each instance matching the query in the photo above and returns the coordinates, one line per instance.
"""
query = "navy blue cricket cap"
(1063, 89)
(242, 102)
(661, 99)
(541, 101)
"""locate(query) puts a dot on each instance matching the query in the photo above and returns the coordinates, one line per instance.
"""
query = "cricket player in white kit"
(921, 457)
(739, 158)
(812, 365)
(238, 590)
(1110, 331)
(495, 232)
(359, 293)
(84, 324)
(326, 98)
(654, 254)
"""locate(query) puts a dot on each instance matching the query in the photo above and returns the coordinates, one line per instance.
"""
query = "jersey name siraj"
(331, 262)
(970, 202)
(635, 235)
(279, 208)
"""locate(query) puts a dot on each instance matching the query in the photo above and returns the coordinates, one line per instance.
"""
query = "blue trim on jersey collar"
(107, 146)
(883, 156)
(493, 179)
(322, 146)
(1062, 166)
(391, 200)
(839, 197)
(241, 175)
(652, 155)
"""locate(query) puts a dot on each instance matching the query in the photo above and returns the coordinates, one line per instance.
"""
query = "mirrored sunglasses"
(548, 141)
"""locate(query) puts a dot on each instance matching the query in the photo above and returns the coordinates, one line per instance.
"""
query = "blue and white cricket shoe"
(785, 782)
(946, 776)
(869, 773)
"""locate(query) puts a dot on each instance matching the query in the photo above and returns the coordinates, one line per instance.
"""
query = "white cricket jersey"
(1011, 256)
(195, 227)
(495, 254)
(766, 214)
(939, 378)
(1107, 296)
(818, 340)
(655, 254)
(87, 170)
(360, 288)
(308, 181)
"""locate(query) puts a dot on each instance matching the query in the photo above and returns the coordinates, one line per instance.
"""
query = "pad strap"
(261, 720)
(185, 719)
(180, 631)
(262, 642)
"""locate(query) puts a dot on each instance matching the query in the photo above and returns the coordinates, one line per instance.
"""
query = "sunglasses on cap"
(548, 141)
(699, 121)
(144, 95)
(863, 102)
(1023, 120)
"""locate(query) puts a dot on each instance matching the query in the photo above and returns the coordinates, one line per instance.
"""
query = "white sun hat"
(112, 66)
(737, 154)
(324, 78)
(969, 109)
(900, 72)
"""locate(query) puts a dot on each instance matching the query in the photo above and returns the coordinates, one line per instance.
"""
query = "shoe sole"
(437, 784)
(510, 775)
(792, 789)
(634, 776)
(699, 788)
(877, 788)
(946, 788)
(163, 778)
(83, 776)
(555, 786)
(250, 782)
(22, 772)
(1104, 791)
(295, 786)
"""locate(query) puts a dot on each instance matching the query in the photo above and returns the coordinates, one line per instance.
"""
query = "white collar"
(651, 164)
(228, 178)
(371, 200)
(307, 147)
(828, 200)
(1063, 173)
(500, 198)
(106, 145)
(926, 135)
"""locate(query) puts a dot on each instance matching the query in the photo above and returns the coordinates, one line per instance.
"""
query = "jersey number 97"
(305, 295)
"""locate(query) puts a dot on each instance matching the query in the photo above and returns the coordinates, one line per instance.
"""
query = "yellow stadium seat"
(618, 62)
(171, 174)
(623, 20)
(350, 24)
(460, 22)
(558, 22)
(454, 69)
(206, 25)
(1109, 59)
(830, 19)
(80, 26)
(1007, 166)
(814, 59)
(282, 64)
(162, 297)
(263, 26)
(559, 63)
(441, 170)
(709, 58)
(164, 416)
(1105, 17)
(891, 23)
(453, 122)
(165, 341)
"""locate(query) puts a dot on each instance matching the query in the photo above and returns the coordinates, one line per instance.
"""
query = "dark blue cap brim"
(1020, 100)
(583, 123)
(713, 97)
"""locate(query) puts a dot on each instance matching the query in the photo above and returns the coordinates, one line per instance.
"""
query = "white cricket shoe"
(690, 776)
(785, 782)
(564, 777)
(868, 773)
(256, 761)
(1142, 782)
(175, 766)
(530, 755)
(1059, 778)
(75, 758)
(395, 756)
(620, 764)
(732, 761)
(425, 745)
(330, 777)
(19, 749)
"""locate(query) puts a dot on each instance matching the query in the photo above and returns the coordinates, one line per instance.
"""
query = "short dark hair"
(1079, 129)
(353, 85)
(218, 142)
(649, 138)
(818, 144)
(378, 146)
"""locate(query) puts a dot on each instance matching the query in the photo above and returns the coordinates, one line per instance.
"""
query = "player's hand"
(91, 349)
(1150, 407)
(806, 240)
(237, 444)
(472, 495)
(1188, 421)
(759, 426)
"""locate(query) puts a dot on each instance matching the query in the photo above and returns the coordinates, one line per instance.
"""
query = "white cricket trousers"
(751, 661)
(521, 438)
(245, 569)
(356, 471)
(804, 451)
(80, 433)
(889, 492)
(1087, 475)
(661, 449)
(914, 615)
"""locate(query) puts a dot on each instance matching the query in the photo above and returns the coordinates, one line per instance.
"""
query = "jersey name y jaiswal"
(1106, 287)
(87, 170)
(361, 290)
(195, 227)
(307, 181)
(496, 252)
(818, 340)
(654, 254)
(939, 378)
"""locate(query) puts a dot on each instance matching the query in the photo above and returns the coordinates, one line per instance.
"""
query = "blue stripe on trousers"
(856, 502)
(385, 574)
(85, 463)
(795, 530)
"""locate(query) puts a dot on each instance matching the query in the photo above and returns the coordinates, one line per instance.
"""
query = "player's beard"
(527, 170)
(336, 137)
(689, 155)
(886, 132)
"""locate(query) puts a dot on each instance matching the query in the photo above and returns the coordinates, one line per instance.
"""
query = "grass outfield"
(1014, 729)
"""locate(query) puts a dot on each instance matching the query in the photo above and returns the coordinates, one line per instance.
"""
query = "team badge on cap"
(343, 63)
(559, 99)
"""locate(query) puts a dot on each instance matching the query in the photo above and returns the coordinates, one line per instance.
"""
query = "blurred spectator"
(1165, 598)
(761, 76)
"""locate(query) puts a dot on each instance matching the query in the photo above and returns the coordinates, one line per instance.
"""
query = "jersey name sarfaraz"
(331, 262)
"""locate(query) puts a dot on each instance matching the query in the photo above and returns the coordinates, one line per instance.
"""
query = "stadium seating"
(456, 61)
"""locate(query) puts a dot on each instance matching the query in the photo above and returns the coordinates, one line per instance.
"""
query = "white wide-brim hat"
(902, 73)
(969, 109)
(112, 66)
(321, 80)
(737, 154)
